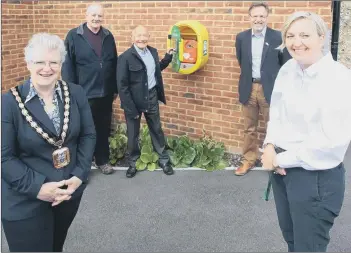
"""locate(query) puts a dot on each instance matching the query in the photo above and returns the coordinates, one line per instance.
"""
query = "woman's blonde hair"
(321, 26)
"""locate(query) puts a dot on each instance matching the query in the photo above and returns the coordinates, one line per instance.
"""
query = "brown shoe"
(106, 169)
(244, 168)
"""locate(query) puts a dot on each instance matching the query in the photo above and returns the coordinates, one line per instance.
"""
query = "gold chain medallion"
(61, 156)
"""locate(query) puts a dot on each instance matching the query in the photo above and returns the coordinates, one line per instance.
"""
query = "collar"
(33, 92)
(317, 66)
(80, 29)
(263, 33)
(86, 28)
(141, 51)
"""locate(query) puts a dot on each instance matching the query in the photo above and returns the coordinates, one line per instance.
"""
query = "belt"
(256, 80)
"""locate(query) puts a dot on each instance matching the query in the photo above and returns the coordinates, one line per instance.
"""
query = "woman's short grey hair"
(321, 26)
(42, 41)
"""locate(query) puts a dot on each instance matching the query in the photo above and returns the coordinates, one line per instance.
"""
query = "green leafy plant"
(148, 158)
(209, 154)
(205, 153)
(181, 151)
(145, 138)
(118, 143)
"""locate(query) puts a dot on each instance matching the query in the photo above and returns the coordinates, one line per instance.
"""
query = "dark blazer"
(82, 65)
(26, 158)
(132, 80)
(272, 60)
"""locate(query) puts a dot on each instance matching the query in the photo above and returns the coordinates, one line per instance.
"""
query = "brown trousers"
(257, 103)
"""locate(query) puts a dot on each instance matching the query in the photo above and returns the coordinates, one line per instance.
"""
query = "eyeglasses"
(42, 64)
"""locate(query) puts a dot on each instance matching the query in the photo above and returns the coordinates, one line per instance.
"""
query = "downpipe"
(335, 29)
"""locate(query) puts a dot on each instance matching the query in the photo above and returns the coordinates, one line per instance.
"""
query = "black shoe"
(167, 169)
(131, 172)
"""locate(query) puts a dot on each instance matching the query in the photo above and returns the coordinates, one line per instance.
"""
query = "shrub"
(181, 151)
(148, 158)
(209, 154)
(118, 143)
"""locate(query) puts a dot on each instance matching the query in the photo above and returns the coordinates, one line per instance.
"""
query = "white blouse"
(310, 114)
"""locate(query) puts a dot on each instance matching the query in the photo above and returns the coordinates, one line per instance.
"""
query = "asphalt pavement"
(191, 211)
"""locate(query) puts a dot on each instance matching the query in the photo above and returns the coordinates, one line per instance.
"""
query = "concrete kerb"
(189, 168)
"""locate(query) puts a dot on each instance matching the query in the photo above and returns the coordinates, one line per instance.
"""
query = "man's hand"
(171, 51)
(136, 117)
(49, 191)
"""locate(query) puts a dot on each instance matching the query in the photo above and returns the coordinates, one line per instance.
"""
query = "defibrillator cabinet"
(189, 38)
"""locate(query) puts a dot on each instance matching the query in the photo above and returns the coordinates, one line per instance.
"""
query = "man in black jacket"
(260, 61)
(91, 62)
(140, 88)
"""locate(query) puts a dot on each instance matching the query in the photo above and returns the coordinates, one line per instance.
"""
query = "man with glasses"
(91, 62)
(260, 62)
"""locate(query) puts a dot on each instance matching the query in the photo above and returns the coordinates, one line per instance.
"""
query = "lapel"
(61, 107)
(37, 110)
(249, 44)
(155, 56)
(266, 45)
(153, 53)
(151, 50)
(137, 54)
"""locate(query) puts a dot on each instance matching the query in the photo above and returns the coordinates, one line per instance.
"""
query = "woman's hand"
(268, 160)
(49, 191)
(268, 156)
(280, 171)
(72, 185)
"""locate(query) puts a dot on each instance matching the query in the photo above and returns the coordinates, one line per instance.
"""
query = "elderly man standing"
(91, 62)
(140, 88)
(260, 61)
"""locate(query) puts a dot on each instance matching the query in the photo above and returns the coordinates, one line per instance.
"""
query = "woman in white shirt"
(308, 133)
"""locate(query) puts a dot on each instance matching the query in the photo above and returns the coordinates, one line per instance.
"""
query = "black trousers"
(43, 233)
(307, 203)
(101, 109)
(153, 121)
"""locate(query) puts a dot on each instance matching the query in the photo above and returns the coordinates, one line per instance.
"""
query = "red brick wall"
(206, 100)
(17, 27)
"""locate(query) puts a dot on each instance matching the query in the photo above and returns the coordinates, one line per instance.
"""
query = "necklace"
(61, 156)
